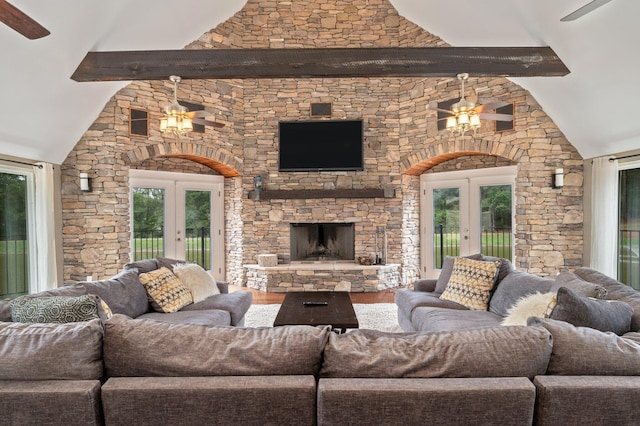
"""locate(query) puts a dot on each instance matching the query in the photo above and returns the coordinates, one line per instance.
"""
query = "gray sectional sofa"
(125, 294)
(422, 309)
(143, 371)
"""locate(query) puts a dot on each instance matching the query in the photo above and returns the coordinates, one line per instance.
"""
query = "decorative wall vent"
(321, 109)
(138, 122)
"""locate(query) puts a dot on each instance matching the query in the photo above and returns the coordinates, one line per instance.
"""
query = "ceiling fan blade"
(204, 122)
(200, 114)
(21, 22)
(443, 110)
(589, 7)
(490, 106)
(496, 117)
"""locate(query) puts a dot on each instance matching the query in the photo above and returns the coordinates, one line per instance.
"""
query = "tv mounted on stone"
(321, 145)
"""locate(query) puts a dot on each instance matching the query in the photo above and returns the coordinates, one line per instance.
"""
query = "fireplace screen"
(322, 241)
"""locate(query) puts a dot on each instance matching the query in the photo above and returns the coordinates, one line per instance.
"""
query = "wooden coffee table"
(332, 308)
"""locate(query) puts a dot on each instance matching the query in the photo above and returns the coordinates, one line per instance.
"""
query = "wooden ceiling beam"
(324, 62)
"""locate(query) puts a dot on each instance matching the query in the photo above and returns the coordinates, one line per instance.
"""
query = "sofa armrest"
(223, 286)
(428, 285)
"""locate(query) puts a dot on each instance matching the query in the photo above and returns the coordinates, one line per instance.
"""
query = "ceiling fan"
(465, 115)
(178, 119)
(589, 7)
(21, 22)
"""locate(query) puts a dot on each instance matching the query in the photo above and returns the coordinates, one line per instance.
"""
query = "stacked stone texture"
(401, 141)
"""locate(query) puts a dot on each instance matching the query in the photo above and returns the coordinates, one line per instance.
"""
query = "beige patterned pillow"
(165, 291)
(471, 283)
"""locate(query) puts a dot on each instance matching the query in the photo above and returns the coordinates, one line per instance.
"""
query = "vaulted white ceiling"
(43, 113)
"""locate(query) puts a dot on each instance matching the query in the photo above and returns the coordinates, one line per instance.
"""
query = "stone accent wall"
(400, 137)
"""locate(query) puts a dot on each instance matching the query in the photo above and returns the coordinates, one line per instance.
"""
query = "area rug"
(375, 316)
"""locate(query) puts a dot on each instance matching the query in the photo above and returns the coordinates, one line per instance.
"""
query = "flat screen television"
(321, 145)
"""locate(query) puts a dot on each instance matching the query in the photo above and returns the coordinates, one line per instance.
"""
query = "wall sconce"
(258, 186)
(85, 182)
(558, 178)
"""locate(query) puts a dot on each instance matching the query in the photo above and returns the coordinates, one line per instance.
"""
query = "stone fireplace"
(322, 241)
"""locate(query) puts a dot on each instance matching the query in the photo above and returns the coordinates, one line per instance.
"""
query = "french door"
(466, 212)
(178, 215)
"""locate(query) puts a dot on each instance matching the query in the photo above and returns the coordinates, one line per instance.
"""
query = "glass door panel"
(495, 221)
(148, 223)
(14, 243)
(446, 221)
(629, 228)
(197, 212)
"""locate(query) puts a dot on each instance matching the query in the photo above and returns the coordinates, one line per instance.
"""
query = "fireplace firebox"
(322, 241)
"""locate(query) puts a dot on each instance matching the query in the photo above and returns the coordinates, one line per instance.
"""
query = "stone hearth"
(322, 276)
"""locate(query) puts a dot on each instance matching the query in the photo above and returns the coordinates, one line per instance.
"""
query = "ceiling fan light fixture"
(464, 117)
(175, 120)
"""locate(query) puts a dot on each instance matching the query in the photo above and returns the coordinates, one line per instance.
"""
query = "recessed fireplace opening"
(322, 241)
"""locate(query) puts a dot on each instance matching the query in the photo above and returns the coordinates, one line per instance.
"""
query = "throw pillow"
(165, 291)
(603, 315)
(471, 283)
(447, 269)
(197, 280)
(578, 286)
(54, 309)
(583, 351)
(535, 305)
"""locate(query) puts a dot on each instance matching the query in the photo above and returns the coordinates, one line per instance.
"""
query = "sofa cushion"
(124, 293)
(236, 303)
(208, 317)
(578, 286)
(514, 286)
(603, 315)
(199, 282)
(534, 305)
(166, 292)
(615, 291)
(483, 352)
(54, 309)
(136, 347)
(428, 318)
(169, 262)
(408, 300)
(47, 351)
(586, 351)
(142, 266)
(471, 283)
(5, 310)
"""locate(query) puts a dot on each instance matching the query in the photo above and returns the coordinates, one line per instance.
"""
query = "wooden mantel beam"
(324, 62)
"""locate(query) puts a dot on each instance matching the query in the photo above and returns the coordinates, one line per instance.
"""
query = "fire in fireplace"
(322, 241)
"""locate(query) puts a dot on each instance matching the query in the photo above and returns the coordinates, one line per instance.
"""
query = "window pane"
(148, 223)
(446, 221)
(629, 228)
(198, 223)
(495, 220)
(14, 254)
